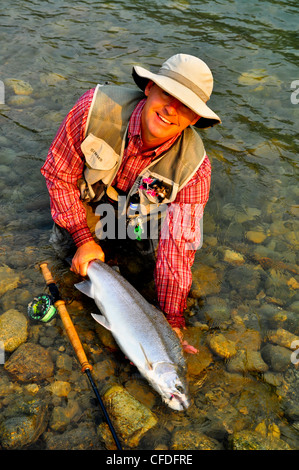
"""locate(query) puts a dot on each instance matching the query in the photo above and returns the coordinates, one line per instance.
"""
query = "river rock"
(22, 424)
(13, 329)
(8, 279)
(84, 437)
(63, 415)
(20, 87)
(193, 440)
(30, 363)
(131, 418)
(247, 361)
(245, 280)
(278, 357)
(222, 346)
(206, 281)
(217, 314)
(233, 257)
(282, 338)
(60, 388)
(256, 236)
(250, 440)
(20, 100)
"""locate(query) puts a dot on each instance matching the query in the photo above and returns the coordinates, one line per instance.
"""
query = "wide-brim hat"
(188, 79)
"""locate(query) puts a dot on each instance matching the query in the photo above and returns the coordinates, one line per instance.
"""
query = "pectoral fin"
(149, 364)
(101, 320)
(86, 288)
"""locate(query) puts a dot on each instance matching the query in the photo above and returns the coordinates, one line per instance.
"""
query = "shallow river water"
(244, 303)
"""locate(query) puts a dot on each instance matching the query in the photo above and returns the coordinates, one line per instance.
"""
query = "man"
(117, 142)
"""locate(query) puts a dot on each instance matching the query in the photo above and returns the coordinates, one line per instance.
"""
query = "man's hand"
(84, 254)
(186, 347)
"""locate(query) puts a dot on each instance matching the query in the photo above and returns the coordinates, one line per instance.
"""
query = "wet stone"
(30, 363)
(247, 361)
(278, 357)
(233, 257)
(20, 87)
(245, 280)
(20, 101)
(256, 236)
(63, 415)
(84, 437)
(222, 346)
(21, 425)
(282, 337)
(131, 418)
(250, 440)
(193, 440)
(206, 281)
(9, 279)
(13, 329)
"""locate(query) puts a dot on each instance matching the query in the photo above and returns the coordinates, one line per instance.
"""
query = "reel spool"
(42, 308)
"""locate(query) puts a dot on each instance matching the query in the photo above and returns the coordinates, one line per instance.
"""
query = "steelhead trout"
(141, 331)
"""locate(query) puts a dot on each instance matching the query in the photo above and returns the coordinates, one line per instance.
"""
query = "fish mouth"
(178, 402)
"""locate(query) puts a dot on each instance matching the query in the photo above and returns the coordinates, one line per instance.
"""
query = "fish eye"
(179, 388)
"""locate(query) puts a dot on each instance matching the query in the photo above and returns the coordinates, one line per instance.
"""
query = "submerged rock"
(8, 279)
(131, 418)
(250, 440)
(84, 437)
(282, 337)
(247, 361)
(22, 424)
(245, 280)
(206, 281)
(20, 87)
(278, 357)
(222, 346)
(193, 440)
(13, 329)
(30, 363)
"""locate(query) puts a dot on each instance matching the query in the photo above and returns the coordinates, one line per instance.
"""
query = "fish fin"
(86, 288)
(146, 358)
(101, 320)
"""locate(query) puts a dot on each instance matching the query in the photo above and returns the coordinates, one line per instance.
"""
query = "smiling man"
(118, 142)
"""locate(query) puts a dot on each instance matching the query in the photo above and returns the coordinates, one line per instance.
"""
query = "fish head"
(171, 387)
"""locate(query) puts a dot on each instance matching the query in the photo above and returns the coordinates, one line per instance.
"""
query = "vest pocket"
(98, 154)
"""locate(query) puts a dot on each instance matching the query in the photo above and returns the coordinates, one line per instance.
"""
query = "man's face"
(163, 116)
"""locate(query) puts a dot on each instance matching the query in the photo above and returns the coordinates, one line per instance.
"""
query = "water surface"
(63, 48)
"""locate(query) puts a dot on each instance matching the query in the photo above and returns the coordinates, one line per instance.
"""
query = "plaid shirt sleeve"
(180, 235)
(63, 167)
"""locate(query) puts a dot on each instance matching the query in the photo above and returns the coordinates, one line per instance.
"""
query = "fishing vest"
(104, 144)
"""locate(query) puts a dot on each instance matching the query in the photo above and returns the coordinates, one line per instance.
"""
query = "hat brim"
(186, 96)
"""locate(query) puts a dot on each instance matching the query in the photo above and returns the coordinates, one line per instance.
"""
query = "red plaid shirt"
(64, 166)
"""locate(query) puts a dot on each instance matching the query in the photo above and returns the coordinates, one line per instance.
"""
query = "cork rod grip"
(46, 273)
(72, 334)
(67, 322)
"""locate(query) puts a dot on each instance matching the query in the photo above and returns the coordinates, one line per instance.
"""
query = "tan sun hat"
(188, 79)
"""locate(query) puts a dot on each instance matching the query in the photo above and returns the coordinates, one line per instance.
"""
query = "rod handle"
(46, 273)
(72, 334)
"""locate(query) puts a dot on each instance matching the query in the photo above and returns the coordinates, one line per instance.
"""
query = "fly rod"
(44, 308)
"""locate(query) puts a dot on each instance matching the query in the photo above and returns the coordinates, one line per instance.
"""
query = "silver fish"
(141, 331)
